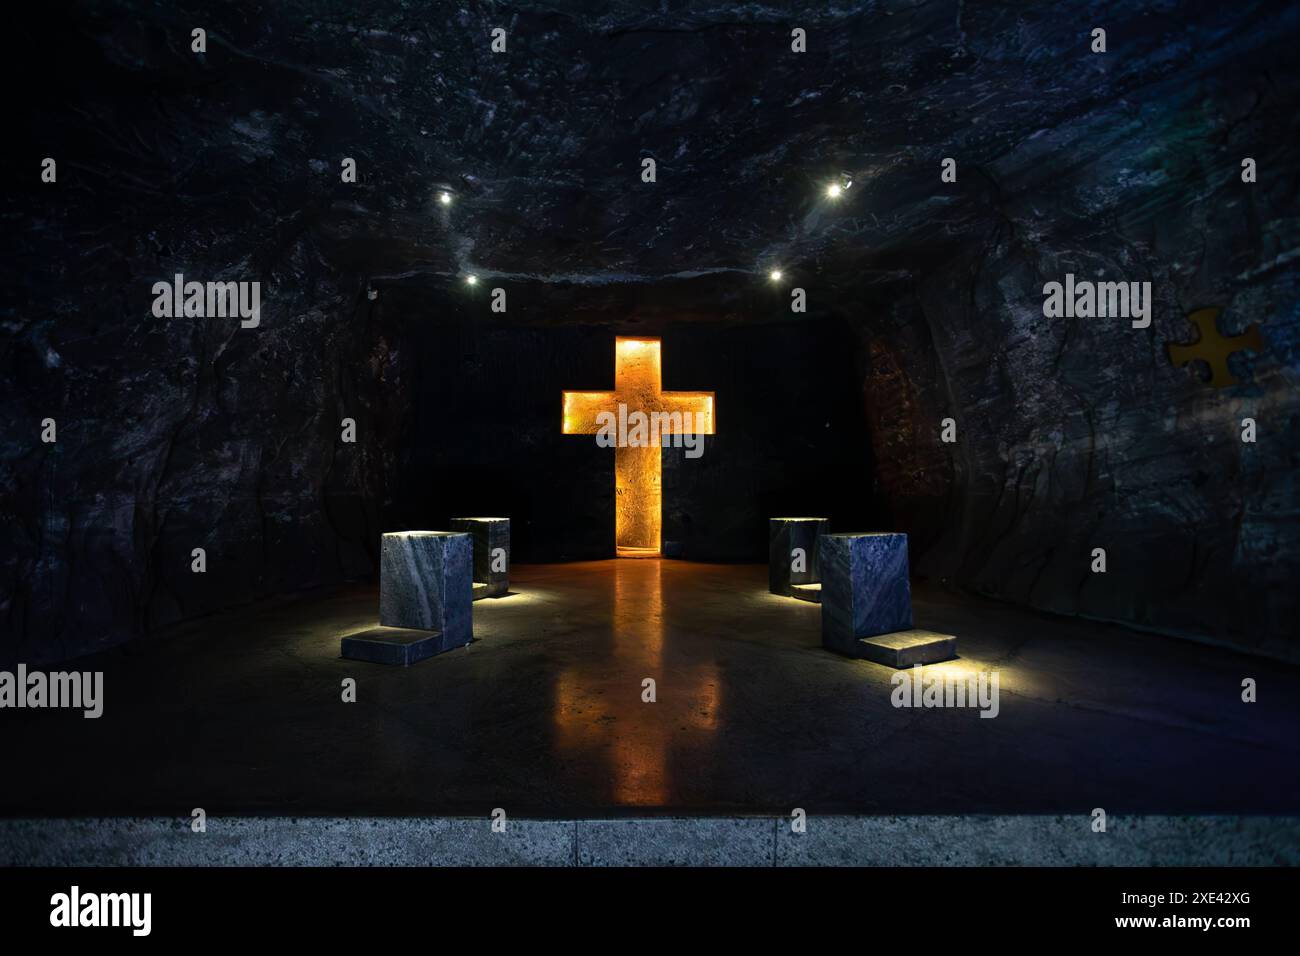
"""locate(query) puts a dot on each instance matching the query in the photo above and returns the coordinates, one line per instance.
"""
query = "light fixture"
(775, 275)
(471, 279)
(836, 189)
(444, 197)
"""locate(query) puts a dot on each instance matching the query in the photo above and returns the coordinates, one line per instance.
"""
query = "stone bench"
(491, 553)
(425, 590)
(793, 567)
(867, 602)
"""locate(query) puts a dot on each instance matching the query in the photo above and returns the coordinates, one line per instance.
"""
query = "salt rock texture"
(1072, 434)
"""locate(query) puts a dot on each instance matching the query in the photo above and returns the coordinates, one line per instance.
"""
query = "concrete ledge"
(301, 841)
(664, 841)
(726, 841)
(1040, 841)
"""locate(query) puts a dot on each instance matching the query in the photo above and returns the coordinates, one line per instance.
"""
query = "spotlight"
(444, 198)
(836, 189)
(471, 280)
(775, 275)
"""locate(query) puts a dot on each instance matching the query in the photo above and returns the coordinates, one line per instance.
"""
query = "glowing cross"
(638, 470)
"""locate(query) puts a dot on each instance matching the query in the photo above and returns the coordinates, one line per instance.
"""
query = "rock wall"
(184, 432)
(1080, 433)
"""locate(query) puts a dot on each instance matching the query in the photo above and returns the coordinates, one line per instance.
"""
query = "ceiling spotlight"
(444, 197)
(838, 188)
(775, 275)
(471, 280)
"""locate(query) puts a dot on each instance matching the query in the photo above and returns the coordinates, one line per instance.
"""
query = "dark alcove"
(482, 433)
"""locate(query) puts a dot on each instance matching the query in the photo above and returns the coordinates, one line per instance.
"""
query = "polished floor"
(544, 713)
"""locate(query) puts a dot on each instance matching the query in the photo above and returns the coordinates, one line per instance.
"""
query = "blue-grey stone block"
(491, 553)
(865, 590)
(401, 646)
(784, 535)
(425, 582)
(908, 648)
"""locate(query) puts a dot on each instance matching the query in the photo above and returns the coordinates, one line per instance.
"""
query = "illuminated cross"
(638, 470)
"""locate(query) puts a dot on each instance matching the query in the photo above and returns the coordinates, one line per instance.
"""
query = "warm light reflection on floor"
(1012, 678)
(594, 716)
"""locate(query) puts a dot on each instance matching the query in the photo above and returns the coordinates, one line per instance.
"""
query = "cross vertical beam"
(638, 469)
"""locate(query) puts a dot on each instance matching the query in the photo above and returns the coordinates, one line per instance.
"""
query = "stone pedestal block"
(491, 553)
(402, 646)
(865, 590)
(867, 602)
(907, 648)
(785, 535)
(425, 582)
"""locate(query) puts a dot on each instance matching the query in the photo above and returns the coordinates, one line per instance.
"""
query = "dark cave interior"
(924, 298)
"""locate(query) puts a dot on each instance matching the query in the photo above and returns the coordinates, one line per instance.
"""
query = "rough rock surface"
(1072, 434)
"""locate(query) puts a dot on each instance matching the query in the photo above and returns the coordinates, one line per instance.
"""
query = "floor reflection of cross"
(638, 470)
(599, 708)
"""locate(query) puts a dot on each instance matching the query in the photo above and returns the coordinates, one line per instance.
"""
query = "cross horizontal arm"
(581, 409)
(674, 413)
(687, 413)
